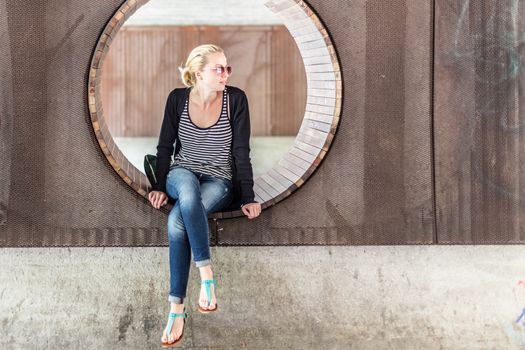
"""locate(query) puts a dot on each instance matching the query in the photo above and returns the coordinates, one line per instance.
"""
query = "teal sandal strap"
(208, 288)
(172, 316)
(209, 281)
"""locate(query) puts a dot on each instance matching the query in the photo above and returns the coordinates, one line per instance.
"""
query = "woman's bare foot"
(207, 274)
(178, 324)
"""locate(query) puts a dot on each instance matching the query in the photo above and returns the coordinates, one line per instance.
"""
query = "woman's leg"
(180, 259)
(178, 179)
(216, 194)
(196, 196)
(179, 253)
(179, 256)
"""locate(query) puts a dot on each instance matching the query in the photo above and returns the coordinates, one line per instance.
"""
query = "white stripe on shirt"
(206, 150)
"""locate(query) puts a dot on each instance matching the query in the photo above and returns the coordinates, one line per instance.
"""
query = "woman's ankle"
(176, 307)
(206, 272)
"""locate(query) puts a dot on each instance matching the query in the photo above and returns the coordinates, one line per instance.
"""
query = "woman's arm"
(241, 149)
(168, 135)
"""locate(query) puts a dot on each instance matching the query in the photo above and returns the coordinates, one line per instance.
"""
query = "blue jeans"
(196, 196)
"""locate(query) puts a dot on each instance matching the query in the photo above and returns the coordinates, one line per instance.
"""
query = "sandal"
(170, 326)
(208, 294)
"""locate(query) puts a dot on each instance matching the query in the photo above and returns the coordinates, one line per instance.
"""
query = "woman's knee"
(176, 229)
(189, 198)
(216, 196)
(181, 182)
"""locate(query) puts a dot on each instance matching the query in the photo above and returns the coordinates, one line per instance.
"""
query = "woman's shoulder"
(235, 91)
(179, 91)
(182, 91)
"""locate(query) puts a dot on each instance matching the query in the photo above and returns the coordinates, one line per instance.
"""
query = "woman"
(211, 171)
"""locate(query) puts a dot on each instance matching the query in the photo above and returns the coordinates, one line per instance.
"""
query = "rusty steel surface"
(479, 121)
(373, 187)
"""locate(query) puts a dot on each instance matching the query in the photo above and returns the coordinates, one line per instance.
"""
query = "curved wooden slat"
(261, 193)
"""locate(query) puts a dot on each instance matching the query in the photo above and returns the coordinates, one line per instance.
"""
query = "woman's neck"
(204, 97)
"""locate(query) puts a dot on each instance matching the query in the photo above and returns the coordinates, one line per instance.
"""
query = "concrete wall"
(360, 297)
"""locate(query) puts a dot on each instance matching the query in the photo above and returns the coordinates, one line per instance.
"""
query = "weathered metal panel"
(373, 187)
(479, 121)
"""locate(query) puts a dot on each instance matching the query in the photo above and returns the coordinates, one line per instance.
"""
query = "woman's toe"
(174, 337)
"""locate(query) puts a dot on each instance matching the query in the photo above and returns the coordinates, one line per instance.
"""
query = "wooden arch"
(323, 106)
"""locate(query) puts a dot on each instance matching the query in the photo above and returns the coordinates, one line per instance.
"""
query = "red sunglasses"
(220, 69)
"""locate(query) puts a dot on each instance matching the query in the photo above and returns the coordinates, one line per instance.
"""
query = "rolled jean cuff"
(202, 263)
(175, 300)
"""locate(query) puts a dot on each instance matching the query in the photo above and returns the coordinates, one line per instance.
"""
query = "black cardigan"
(240, 121)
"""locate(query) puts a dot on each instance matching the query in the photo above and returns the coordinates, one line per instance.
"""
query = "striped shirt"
(206, 150)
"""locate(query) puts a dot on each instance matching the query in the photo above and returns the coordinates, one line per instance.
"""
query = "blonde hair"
(196, 61)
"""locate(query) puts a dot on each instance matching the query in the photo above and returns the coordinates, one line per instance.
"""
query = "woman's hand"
(251, 210)
(157, 199)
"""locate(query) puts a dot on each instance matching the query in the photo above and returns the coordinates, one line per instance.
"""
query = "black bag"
(150, 163)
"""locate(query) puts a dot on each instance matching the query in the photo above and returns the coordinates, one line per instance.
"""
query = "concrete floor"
(317, 297)
(265, 150)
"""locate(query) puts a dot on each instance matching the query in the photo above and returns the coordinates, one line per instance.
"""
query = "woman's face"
(215, 74)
